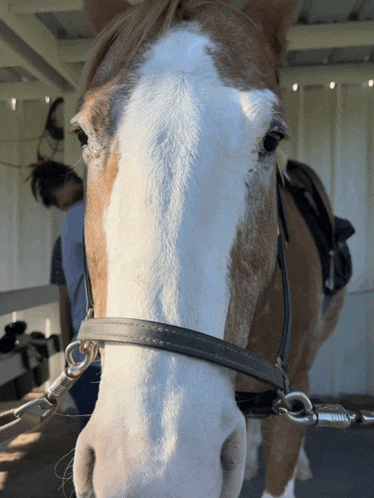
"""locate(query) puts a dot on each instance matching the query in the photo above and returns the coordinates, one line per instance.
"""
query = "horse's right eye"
(82, 137)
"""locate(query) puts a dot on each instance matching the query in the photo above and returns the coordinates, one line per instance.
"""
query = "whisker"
(71, 494)
(74, 415)
(76, 164)
(65, 478)
(62, 458)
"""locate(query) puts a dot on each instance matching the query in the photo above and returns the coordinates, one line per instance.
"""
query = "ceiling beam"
(42, 6)
(323, 75)
(27, 91)
(8, 58)
(299, 38)
(74, 50)
(34, 34)
(8, 50)
(352, 34)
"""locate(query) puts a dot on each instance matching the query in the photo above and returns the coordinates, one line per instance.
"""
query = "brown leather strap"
(184, 341)
(304, 178)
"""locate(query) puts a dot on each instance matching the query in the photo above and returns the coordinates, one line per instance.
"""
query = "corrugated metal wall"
(330, 129)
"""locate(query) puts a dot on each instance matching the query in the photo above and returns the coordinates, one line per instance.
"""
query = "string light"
(47, 99)
(13, 103)
(332, 85)
(295, 87)
(371, 83)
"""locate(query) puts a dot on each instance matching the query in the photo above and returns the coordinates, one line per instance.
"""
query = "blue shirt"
(73, 262)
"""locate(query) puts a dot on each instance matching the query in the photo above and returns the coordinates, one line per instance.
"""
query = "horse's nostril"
(90, 466)
(83, 472)
(232, 461)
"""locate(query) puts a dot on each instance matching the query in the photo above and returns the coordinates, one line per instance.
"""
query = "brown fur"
(252, 64)
(101, 175)
(134, 25)
(99, 186)
(253, 41)
(100, 18)
(249, 265)
(270, 15)
(310, 329)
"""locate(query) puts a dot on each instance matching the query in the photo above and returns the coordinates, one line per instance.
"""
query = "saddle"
(329, 232)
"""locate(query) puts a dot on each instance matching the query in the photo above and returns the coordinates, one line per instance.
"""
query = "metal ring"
(90, 350)
(280, 406)
(69, 351)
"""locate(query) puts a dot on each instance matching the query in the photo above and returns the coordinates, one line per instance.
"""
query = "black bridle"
(204, 347)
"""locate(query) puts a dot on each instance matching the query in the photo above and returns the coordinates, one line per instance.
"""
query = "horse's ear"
(100, 13)
(275, 17)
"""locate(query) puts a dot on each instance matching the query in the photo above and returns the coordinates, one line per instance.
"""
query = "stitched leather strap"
(184, 341)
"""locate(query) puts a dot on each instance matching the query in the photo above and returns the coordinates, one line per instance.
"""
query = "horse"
(179, 122)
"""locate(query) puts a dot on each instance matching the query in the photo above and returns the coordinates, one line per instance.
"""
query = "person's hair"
(49, 176)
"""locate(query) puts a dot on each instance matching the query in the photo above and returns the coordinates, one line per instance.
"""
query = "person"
(58, 185)
(57, 277)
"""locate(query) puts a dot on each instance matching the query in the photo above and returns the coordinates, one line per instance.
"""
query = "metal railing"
(30, 297)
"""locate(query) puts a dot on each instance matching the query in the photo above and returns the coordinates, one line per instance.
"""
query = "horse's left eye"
(271, 141)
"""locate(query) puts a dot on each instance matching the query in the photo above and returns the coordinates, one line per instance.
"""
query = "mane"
(137, 24)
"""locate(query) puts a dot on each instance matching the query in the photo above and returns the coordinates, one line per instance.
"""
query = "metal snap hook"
(40, 410)
(74, 370)
(304, 416)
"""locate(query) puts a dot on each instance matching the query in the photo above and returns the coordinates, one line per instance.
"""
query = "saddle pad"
(329, 232)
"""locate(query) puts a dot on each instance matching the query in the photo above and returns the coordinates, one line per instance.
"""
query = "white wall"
(27, 228)
(332, 130)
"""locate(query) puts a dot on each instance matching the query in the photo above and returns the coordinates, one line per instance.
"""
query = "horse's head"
(179, 126)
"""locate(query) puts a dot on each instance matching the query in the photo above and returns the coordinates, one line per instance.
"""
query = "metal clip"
(365, 417)
(302, 416)
(320, 415)
(43, 408)
(38, 410)
(334, 415)
(74, 371)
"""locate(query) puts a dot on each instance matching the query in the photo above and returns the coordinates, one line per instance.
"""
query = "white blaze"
(166, 424)
(186, 144)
